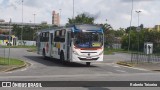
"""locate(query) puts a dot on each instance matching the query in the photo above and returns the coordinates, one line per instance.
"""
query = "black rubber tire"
(44, 54)
(88, 63)
(62, 58)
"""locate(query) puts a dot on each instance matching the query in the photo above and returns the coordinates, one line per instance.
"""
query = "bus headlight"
(101, 53)
(75, 53)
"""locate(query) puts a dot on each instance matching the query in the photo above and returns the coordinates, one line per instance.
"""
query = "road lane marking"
(110, 64)
(76, 75)
(121, 71)
(141, 69)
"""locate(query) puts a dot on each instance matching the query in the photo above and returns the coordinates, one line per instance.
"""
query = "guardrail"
(142, 57)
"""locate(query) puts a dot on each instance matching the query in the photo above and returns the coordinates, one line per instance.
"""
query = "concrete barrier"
(27, 43)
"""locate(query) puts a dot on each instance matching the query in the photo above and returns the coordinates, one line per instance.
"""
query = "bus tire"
(44, 54)
(62, 58)
(88, 63)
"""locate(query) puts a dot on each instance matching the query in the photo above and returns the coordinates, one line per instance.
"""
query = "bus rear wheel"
(44, 54)
(88, 63)
(62, 58)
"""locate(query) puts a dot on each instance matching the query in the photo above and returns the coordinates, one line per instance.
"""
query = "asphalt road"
(53, 70)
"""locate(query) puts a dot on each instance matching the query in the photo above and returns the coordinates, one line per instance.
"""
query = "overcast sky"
(117, 12)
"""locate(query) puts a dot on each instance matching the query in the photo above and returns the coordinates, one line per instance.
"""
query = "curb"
(16, 68)
(124, 64)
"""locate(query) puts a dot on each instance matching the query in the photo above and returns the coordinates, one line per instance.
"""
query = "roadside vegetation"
(19, 46)
(11, 61)
(108, 51)
(29, 48)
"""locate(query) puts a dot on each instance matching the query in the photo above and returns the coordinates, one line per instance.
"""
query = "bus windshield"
(88, 39)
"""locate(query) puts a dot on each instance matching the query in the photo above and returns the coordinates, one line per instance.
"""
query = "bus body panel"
(87, 55)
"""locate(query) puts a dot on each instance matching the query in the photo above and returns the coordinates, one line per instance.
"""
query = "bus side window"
(56, 38)
(47, 37)
(51, 38)
(62, 38)
(59, 36)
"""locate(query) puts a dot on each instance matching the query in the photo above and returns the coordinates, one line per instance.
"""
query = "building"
(155, 28)
(55, 18)
(150, 29)
(6, 26)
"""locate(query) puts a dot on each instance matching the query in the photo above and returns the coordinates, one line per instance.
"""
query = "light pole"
(60, 10)
(34, 25)
(138, 27)
(22, 24)
(9, 44)
(73, 9)
(129, 43)
(138, 30)
(138, 12)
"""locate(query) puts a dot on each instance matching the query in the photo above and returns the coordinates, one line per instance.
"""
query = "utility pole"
(34, 25)
(73, 9)
(138, 27)
(138, 12)
(22, 24)
(9, 40)
(60, 10)
(138, 30)
(129, 39)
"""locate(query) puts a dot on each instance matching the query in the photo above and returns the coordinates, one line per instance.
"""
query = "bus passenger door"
(68, 46)
(51, 44)
(38, 43)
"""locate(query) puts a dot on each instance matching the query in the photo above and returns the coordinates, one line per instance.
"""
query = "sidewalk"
(3, 68)
(125, 60)
(149, 66)
(144, 65)
(7, 68)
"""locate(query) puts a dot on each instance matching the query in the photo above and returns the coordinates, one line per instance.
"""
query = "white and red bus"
(78, 43)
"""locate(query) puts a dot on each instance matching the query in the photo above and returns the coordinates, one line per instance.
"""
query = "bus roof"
(75, 26)
(87, 27)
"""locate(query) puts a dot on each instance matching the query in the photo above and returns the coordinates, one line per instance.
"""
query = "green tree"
(27, 32)
(132, 28)
(16, 30)
(108, 34)
(81, 19)
(120, 32)
(144, 36)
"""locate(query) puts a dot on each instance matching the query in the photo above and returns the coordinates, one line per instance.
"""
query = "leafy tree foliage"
(144, 36)
(81, 19)
(16, 30)
(27, 32)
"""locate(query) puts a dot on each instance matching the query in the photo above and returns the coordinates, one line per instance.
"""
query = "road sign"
(138, 29)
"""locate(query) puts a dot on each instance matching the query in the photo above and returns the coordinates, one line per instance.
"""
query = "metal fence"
(141, 57)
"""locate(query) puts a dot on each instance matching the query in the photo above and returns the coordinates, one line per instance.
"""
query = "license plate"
(88, 58)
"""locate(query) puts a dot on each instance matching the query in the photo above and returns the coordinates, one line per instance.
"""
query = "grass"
(19, 46)
(30, 48)
(15, 62)
(108, 51)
